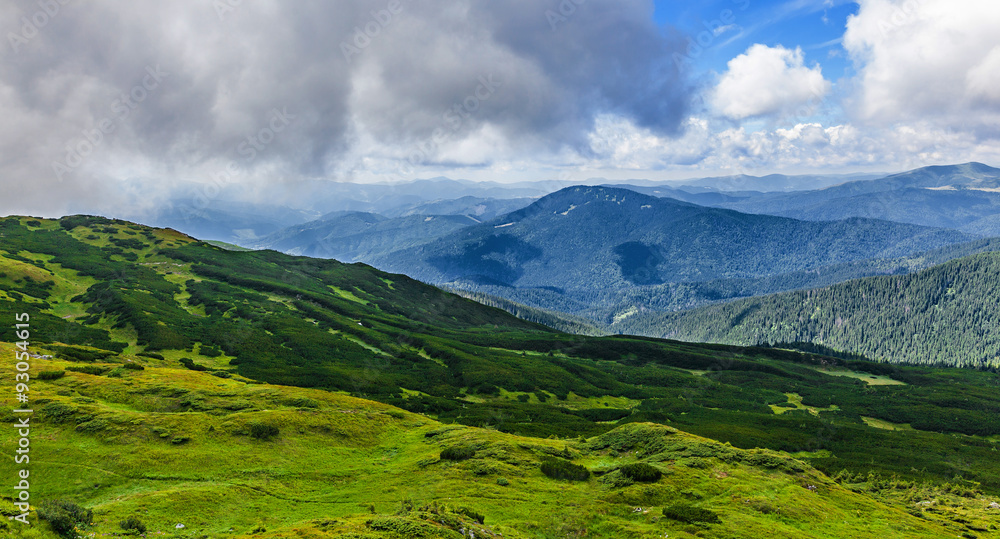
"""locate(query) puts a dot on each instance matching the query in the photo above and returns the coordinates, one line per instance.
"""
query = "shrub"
(93, 425)
(133, 367)
(80, 355)
(150, 355)
(615, 479)
(190, 364)
(563, 469)
(89, 369)
(458, 453)
(474, 515)
(57, 412)
(133, 526)
(503, 482)
(64, 516)
(50, 375)
(263, 431)
(641, 472)
(301, 402)
(691, 514)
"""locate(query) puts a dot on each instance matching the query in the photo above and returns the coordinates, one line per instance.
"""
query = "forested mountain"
(607, 307)
(359, 236)
(773, 182)
(953, 196)
(480, 209)
(947, 314)
(579, 243)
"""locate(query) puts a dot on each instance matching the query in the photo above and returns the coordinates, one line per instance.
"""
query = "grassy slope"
(119, 450)
(483, 345)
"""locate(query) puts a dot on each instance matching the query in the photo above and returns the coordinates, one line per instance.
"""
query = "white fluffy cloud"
(712, 147)
(767, 80)
(927, 60)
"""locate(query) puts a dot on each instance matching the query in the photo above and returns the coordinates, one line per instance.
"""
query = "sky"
(113, 105)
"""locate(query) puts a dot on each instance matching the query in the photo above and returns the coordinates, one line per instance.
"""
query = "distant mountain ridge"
(356, 236)
(964, 197)
(582, 241)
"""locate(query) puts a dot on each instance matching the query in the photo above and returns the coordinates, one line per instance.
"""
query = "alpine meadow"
(500, 269)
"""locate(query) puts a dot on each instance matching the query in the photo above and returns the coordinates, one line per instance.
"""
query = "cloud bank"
(354, 82)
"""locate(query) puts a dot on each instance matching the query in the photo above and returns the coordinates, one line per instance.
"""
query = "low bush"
(263, 431)
(474, 515)
(78, 354)
(133, 367)
(190, 364)
(563, 469)
(57, 412)
(50, 375)
(64, 516)
(301, 402)
(458, 453)
(133, 526)
(89, 369)
(691, 514)
(641, 472)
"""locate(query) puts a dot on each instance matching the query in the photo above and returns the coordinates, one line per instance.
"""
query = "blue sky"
(815, 26)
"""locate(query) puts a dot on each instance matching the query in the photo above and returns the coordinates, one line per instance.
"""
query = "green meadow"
(254, 394)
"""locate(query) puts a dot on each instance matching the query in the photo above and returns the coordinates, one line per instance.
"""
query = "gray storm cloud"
(96, 93)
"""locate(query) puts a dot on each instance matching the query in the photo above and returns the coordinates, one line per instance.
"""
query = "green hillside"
(211, 421)
(945, 315)
(190, 455)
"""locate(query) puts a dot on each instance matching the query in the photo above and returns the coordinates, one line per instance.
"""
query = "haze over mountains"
(965, 197)
(620, 255)
(228, 213)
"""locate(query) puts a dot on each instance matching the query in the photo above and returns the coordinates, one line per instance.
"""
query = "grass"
(886, 425)
(330, 465)
(868, 378)
(795, 403)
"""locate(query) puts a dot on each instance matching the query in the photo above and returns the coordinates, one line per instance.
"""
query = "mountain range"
(210, 372)
(964, 197)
